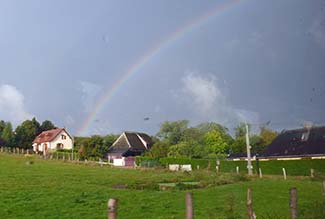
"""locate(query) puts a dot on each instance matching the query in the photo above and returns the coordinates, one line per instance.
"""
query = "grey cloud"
(12, 106)
(205, 97)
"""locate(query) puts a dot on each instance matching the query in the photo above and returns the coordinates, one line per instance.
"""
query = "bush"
(272, 167)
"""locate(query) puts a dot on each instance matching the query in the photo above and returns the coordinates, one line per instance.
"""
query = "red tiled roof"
(47, 136)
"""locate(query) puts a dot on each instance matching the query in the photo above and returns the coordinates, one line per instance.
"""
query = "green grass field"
(54, 189)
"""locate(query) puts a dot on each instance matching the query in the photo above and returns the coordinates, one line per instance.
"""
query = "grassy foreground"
(54, 189)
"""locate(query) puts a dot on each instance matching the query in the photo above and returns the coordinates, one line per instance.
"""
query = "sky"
(100, 67)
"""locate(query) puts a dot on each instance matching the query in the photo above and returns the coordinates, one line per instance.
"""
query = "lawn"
(57, 189)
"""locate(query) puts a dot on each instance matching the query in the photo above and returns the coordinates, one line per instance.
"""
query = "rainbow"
(150, 54)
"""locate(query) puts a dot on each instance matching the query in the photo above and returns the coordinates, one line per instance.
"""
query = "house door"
(45, 149)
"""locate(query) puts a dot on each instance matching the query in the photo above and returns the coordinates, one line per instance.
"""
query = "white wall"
(119, 162)
(67, 143)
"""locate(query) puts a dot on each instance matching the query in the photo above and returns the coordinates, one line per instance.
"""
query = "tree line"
(210, 139)
(174, 139)
(24, 134)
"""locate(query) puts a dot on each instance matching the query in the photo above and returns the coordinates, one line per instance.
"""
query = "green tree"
(209, 126)
(37, 126)
(256, 143)
(240, 130)
(47, 125)
(92, 147)
(238, 146)
(7, 134)
(2, 126)
(214, 142)
(267, 135)
(26, 133)
(191, 134)
(182, 149)
(172, 132)
(158, 150)
(108, 140)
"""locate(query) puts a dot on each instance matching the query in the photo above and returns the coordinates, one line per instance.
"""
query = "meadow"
(31, 187)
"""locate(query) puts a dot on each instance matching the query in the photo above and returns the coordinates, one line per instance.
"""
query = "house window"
(59, 146)
(63, 137)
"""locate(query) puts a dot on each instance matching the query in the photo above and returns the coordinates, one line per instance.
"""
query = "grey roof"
(130, 144)
(298, 142)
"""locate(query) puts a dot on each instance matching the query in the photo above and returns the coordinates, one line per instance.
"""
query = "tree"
(256, 143)
(267, 135)
(91, 147)
(26, 133)
(182, 149)
(158, 150)
(240, 130)
(36, 125)
(238, 146)
(7, 134)
(171, 132)
(210, 126)
(47, 125)
(214, 142)
(192, 134)
(2, 126)
(108, 140)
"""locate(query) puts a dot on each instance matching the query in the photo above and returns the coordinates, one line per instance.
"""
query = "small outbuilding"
(127, 146)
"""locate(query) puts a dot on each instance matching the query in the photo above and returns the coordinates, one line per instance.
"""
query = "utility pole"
(72, 157)
(248, 148)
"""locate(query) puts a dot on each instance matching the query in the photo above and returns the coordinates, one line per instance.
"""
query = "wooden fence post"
(312, 171)
(112, 208)
(260, 172)
(284, 174)
(293, 203)
(237, 170)
(251, 214)
(189, 205)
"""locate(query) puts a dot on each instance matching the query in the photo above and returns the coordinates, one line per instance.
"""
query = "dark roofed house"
(127, 146)
(305, 142)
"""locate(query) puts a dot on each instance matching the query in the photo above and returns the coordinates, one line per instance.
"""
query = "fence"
(224, 166)
(271, 167)
(15, 150)
(189, 208)
(54, 155)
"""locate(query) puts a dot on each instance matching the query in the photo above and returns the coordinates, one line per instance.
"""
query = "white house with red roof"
(52, 140)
